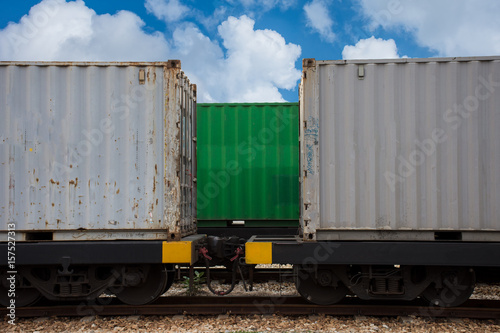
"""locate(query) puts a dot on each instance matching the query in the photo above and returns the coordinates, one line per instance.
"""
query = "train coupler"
(224, 251)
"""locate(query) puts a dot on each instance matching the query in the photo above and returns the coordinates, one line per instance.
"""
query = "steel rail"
(284, 305)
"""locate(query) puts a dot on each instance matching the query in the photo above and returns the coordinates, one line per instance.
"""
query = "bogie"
(441, 286)
(132, 284)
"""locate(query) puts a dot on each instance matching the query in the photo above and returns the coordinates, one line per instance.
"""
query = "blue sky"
(246, 50)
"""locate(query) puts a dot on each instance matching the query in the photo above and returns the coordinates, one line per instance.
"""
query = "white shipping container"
(97, 151)
(404, 149)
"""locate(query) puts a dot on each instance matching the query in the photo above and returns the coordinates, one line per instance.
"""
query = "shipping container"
(405, 149)
(97, 151)
(248, 164)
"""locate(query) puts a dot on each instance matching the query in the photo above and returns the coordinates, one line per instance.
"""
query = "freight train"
(382, 182)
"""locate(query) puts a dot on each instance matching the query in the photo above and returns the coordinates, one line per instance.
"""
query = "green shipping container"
(248, 164)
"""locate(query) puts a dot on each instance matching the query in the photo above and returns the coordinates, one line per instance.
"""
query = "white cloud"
(371, 48)
(56, 30)
(202, 60)
(251, 68)
(211, 21)
(450, 27)
(318, 18)
(266, 4)
(256, 62)
(258, 58)
(167, 10)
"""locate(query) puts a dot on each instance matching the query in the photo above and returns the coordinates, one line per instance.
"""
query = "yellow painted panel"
(180, 252)
(259, 253)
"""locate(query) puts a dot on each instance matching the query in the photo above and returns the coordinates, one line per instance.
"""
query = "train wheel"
(319, 285)
(453, 287)
(25, 295)
(143, 284)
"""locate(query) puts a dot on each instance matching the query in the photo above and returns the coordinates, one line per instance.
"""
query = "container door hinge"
(361, 72)
(142, 76)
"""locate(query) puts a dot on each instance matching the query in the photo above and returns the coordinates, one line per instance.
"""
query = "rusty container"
(97, 151)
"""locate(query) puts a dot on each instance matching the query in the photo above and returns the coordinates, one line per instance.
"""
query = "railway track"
(286, 274)
(285, 305)
(259, 275)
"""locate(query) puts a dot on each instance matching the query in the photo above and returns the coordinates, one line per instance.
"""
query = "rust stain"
(154, 184)
(156, 168)
(117, 191)
(12, 183)
(79, 202)
(37, 180)
(71, 165)
(52, 181)
(53, 205)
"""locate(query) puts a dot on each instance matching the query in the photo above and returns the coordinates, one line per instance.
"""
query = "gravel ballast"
(255, 323)
(258, 323)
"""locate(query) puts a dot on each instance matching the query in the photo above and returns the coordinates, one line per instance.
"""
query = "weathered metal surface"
(248, 163)
(309, 149)
(411, 146)
(90, 152)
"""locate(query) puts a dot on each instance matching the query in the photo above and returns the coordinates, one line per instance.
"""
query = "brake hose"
(235, 267)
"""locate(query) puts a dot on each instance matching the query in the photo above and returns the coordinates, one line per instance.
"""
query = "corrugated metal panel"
(248, 165)
(412, 145)
(88, 151)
